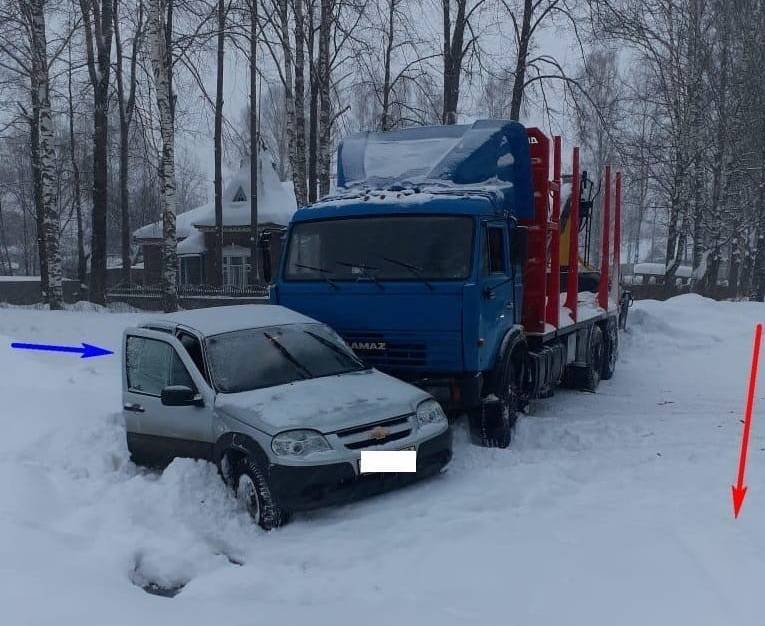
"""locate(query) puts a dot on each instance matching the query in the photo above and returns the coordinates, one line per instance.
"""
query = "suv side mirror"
(180, 395)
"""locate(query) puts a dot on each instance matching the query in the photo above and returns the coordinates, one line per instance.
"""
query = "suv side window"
(152, 365)
(194, 349)
(494, 251)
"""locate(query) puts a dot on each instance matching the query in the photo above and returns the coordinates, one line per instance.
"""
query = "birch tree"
(162, 69)
(41, 86)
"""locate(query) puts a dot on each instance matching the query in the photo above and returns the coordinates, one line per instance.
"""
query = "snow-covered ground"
(610, 508)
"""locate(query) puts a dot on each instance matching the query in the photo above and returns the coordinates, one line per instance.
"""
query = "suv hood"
(325, 404)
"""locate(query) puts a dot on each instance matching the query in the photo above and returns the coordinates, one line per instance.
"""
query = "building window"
(240, 196)
(190, 270)
(236, 270)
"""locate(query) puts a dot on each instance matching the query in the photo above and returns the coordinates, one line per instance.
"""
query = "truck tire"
(587, 378)
(494, 428)
(252, 490)
(610, 349)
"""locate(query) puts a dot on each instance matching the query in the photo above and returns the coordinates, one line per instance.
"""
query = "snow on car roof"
(225, 319)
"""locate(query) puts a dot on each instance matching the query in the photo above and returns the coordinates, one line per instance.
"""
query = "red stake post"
(617, 233)
(552, 314)
(604, 252)
(572, 287)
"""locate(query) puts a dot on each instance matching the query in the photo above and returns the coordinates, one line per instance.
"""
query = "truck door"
(496, 289)
(157, 433)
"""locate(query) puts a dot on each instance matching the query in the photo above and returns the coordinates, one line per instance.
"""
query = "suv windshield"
(412, 247)
(265, 357)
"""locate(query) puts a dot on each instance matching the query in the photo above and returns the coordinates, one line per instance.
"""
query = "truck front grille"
(390, 353)
(377, 434)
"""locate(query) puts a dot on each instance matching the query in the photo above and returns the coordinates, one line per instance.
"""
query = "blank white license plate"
(388, 461)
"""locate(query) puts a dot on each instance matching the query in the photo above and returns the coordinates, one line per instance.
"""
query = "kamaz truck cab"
(422, 262)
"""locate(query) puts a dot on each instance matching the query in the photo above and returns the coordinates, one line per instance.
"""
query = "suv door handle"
(135, 408)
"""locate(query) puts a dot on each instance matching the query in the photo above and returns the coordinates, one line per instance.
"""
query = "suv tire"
(252, 490)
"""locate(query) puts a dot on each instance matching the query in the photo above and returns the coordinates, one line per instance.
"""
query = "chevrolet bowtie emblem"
(379, 432)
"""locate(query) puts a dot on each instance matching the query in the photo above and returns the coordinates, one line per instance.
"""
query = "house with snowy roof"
(195, 230)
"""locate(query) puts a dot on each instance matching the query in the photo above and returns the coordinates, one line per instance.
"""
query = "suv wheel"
(252, 490)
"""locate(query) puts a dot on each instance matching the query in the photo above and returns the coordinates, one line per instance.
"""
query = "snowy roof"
(492, 155)
(194, 243)
(225, 319)
(659, 269)
(275, 204)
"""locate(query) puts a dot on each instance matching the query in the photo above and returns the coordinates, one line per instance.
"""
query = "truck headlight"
(299, 443)
(430, 412)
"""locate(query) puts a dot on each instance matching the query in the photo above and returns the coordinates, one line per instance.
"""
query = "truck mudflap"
(544, 369)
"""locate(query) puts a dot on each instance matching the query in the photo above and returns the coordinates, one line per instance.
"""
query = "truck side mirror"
(518, 244)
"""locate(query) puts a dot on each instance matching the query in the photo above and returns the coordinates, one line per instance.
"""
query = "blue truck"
(449, 257)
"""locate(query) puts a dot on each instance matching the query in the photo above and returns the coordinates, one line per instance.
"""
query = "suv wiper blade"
(288, 355)
(364, 271)
(321, 270)
(412, 268)
(336, 349)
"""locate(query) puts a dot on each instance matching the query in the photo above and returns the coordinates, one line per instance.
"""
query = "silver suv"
(278, 401)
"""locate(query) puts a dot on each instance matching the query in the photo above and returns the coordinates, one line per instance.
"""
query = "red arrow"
(739, 490)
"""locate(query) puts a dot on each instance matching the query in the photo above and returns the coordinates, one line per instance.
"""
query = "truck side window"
(151, 365)
(494, 251)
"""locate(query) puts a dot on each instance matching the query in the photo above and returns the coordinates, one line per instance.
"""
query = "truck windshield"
(265, 357)
(411, 247)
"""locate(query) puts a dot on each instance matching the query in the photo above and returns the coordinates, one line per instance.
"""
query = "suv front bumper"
(306, 488)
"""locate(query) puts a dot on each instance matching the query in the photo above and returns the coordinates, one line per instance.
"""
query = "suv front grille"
(377, 434)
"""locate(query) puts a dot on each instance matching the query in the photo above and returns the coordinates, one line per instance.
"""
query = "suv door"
(496, 288)
(156, 433)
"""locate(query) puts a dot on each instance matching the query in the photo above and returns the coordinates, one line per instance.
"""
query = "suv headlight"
(430, 412)
(299, 443)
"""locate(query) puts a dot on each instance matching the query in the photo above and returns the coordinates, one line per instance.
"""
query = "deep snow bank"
(611, 507)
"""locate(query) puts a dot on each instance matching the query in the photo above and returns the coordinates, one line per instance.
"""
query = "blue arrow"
(86, 351)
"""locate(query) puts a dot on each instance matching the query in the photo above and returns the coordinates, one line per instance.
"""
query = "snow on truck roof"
(226, 319)
(488, 155)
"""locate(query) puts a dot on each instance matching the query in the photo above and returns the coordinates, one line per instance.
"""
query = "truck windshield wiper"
(412, 268)
(364, 271)
(321, 271)
(288, 355)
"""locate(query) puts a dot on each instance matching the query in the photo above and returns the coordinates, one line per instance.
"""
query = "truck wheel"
(252, 490)
(610, 350)
(494, 420)
(587, 377)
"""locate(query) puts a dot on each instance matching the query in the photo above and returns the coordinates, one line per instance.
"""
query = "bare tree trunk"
(385, 122)
(313, 125)
(325, 75)
(298, 170)
(254, 151)
(289, 99)
(162, 68)
(40, 83)
(82, 268)
(519, 82)
(98, 25)
(454, 54)
(126, 103)
(218, 181)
